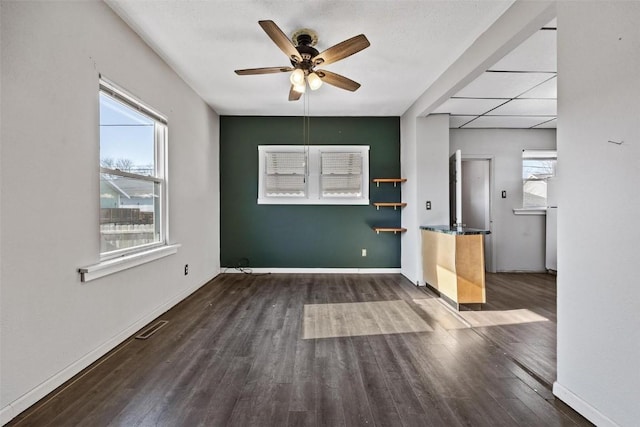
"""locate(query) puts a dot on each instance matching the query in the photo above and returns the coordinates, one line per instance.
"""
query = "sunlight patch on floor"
(501, 317)
(361, 318)
(435, 308)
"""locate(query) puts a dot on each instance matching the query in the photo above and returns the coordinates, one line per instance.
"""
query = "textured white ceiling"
(412, 44)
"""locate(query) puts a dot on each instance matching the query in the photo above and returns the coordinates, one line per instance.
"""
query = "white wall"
(410, 258)
(598, 234)
(519, 240)
(52, 324)
(424, 162)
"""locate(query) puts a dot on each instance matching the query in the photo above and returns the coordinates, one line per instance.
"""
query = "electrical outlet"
(186, 269)
(428, 205)
(364, 252)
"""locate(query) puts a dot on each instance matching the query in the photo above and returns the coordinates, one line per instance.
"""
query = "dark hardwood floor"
(306, 350)
(520, 317)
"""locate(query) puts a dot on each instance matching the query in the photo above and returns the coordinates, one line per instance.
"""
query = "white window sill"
(305, 201)
(530, 211)
(115, 265)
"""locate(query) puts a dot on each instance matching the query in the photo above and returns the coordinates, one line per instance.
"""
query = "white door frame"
(491, 159)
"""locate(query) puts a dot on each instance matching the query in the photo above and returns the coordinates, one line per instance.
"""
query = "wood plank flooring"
(236, 353)
(520, 317)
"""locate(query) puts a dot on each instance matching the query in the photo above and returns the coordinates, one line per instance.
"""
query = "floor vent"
(151, 330)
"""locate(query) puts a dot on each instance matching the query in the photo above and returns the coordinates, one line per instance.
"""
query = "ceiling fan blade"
(337, 80)
(265, 70)
(293, 94)
(280, 39)
(342, 50)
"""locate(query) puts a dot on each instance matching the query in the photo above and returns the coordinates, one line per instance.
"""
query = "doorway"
(476, 201)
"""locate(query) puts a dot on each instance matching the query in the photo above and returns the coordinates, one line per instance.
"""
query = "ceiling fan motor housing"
(305, 40)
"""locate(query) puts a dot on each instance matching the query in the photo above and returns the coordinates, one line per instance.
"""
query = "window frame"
(159, 173)
(537, 155)
(314, 194)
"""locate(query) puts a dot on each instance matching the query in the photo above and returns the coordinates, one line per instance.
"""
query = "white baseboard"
(522, 271)
(19, 405)
(7, 414)
(315, 270)
(582, 407)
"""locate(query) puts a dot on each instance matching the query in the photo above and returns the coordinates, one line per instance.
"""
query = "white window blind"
(313, 174)
(285, 174)
(341, 174)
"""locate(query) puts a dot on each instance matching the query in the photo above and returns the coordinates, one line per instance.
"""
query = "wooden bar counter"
(453, 264)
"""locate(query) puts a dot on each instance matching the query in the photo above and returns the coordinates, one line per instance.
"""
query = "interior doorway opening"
(475, 200)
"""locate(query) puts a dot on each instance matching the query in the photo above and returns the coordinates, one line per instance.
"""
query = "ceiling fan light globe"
(297, 77)
(314, 81)
(300, 88)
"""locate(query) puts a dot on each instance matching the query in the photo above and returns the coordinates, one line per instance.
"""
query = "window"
(285, 174)
(133, 198)
(537, 167)
(313, 174)
(341, 174)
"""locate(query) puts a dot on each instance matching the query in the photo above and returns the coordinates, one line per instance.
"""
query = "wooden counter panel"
(470, 269)
(438, 259)
(454, 265)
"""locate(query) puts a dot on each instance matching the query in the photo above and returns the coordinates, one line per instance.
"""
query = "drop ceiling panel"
(469, 106)
(517, 122)
(502, 85)
(548, 89)
(537, 53)
(526, 107)
(551, 124)
(457, 121)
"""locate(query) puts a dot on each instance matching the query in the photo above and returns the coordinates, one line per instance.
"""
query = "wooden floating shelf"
(392, 180)
(393, 230)
(393, 205)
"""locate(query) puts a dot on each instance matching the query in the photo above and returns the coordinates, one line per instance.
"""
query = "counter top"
(454, 230)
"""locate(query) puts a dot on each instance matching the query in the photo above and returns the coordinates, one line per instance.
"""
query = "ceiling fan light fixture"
(297, 77)
(314, 81)
(304, 57)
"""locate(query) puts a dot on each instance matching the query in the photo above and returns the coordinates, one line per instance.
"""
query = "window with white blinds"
(341, 174)
(313, 174)
(285, 174)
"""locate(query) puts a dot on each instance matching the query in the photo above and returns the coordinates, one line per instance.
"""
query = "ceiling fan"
(304, 58)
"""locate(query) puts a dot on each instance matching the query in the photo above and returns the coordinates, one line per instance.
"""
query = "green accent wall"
(306, 236)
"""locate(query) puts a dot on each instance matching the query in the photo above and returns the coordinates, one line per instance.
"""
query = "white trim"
(582, 407)
(305, 201)
(19, 405)
(115, 265)
(529, 211)
(124, 97)
(540, 154)
(315, 270)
